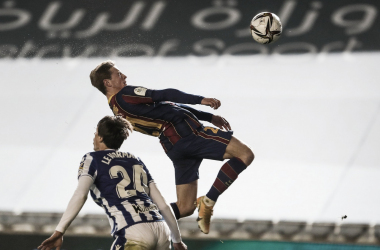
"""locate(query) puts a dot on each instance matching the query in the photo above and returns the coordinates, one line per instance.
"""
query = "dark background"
(307, 25)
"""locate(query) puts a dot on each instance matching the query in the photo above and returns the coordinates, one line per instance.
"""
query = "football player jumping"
(186, 141)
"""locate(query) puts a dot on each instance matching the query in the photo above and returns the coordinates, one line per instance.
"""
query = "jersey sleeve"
(76, 202)
(136, 95)
(201, 115)
(175, 95)
(87, 167)
(141, 95)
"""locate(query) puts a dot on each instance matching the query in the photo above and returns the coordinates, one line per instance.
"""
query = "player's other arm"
(75, 205)
(168, 215)
(201, 115)
(216, 120)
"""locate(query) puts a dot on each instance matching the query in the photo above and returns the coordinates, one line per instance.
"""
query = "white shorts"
(143, 236)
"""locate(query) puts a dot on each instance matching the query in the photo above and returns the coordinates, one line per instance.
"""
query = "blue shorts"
(187, 154)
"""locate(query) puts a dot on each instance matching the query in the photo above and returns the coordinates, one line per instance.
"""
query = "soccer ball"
(266, 27)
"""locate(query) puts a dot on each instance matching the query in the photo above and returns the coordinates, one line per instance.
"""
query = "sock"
(208, 202)
(175, 210)
(226, 176)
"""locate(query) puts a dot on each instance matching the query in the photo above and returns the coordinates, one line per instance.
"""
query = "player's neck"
(111, 92)
(102, 146)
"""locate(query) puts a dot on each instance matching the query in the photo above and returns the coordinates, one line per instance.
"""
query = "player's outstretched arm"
(53, 242)
(75, 205)
(168, 215)
(220, 122)
(173, 95)
(212, 102)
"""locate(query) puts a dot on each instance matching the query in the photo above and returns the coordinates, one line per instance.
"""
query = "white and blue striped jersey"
(121, 187)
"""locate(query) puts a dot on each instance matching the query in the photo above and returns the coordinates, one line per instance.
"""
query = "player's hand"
(54, 241)
(179, 246)
(212, 102)
(220, 122)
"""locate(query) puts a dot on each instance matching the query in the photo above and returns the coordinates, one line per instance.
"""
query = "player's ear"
(101, 139)
(107, 83)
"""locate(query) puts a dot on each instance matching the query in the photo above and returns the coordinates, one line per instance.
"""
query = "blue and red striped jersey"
(159, 112)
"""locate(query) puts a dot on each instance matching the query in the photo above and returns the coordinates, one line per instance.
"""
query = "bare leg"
(186, 196)
(237, 148)
(240, 156)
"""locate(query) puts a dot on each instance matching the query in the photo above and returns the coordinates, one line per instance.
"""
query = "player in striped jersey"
(186, 141)
(121, 184)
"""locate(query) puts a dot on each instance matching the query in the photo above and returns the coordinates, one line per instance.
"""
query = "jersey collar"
(109, 99)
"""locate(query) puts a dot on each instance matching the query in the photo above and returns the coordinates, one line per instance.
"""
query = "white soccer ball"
(266, 27)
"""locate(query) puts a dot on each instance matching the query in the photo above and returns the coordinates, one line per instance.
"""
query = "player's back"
(121, 187)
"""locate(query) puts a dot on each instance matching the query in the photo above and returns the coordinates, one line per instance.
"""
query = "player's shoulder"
(86, 156)
(90, 157)
(102, 154)
(134, 90)
(93, 154)
(87, 163)
(106, 156)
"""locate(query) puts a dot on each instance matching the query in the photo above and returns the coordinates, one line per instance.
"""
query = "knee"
(186, 210)
(251, 156)
(247, 156)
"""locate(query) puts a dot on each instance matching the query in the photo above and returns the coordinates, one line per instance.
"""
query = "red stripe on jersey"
(121, 111)
(137, 99)
(217, 138)
(219, 185)
(172, 134)
(229, 171)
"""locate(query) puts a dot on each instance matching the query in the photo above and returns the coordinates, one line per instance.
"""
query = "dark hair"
(101, 72)
(114, 130)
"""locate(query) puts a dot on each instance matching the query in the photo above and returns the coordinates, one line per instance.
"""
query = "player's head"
(106, 77)
(111, 132)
